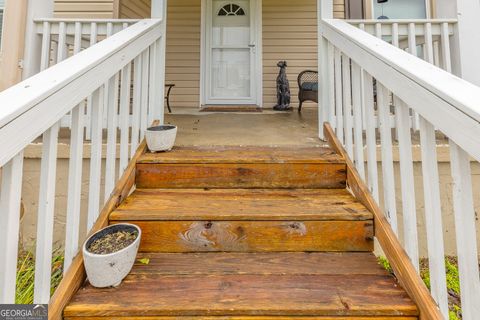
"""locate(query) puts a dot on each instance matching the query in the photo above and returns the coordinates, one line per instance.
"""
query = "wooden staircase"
(247, 233)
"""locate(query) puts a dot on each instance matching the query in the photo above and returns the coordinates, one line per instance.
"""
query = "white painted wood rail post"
(159, 10)
(402, 113)
(383, 97)
(433, 215)
(370, 134)
(466, 232)
(46, 210)
(324, 11)
(95, 158)
(33, 41)
(10, 198)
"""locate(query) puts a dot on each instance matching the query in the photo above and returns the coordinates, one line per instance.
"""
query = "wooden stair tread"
(233, 154)
(240, 204)
(327, 284)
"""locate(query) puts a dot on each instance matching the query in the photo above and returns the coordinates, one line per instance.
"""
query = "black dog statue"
(283, 89)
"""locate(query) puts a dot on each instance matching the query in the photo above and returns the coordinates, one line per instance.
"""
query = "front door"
(230, 53)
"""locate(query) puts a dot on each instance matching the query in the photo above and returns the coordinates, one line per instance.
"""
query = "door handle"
(251, 45)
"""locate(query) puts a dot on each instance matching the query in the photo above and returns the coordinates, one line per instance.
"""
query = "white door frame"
(257, 75)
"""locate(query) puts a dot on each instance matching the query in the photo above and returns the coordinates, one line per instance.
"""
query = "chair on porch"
(308, 87)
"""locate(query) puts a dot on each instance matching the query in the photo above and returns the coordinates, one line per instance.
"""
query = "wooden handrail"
(27, 107)
(445, 100)
(396, 255)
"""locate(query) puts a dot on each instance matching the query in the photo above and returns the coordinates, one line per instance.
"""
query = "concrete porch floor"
(267, 128)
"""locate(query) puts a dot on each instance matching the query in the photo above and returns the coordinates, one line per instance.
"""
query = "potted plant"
(161, 138)
(110, 253)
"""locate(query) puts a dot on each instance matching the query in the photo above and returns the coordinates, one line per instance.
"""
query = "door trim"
(258, 61)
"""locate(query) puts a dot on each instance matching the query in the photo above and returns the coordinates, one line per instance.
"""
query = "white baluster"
(378, 30)
(412, 49)
(88, 129)
(95, 158)
(370, 134)
(357, 118)
(347, 105)
(466, 232)
(74, 185)
(433, 215)
(331, 77)
(402, 113)
(124, 116)
(112, 111)
(339, 95)
(383, 99)
(137, 101)
(429, 43)
(145, 85)
(46, 210)
(395, 38)
(153, 87)
(447, 60)
(10, 198)
(75, 170)
(46, 40)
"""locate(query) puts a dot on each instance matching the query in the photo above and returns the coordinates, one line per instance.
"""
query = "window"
(230, 10)
(400, 9)
(2, 7)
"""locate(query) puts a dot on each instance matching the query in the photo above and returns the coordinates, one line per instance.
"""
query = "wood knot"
(208, 225)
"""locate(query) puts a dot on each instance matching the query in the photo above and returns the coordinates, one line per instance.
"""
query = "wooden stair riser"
(242, 175)
(255, 236)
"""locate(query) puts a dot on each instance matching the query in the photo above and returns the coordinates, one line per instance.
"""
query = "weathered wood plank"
(265, 263)
(242, 295)
(241, 204)
(396, 255)
(245, 175)
(254, 236)
(244, 154)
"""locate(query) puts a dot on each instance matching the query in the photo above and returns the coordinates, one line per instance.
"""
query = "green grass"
(453, 282)
(26, 276)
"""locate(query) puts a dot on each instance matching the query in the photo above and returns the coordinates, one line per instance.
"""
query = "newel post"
(324, 11)
(159, 11)
(33, 41)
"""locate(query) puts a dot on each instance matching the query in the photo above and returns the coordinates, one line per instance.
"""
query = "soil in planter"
(112, 242)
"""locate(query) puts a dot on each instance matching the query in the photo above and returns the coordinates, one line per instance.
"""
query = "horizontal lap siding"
(183, 52)
(339, 9)
(289, 33)
(134, 9)
(93, 9)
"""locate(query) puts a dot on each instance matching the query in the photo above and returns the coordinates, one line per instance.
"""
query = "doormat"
(219, 108)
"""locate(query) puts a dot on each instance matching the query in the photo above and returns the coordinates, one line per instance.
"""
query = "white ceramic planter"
(108, 270)
(161, 138)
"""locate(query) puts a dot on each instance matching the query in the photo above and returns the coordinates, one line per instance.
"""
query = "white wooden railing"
(63, 38)
(429, 39)
(406, 85)
(35, 108)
